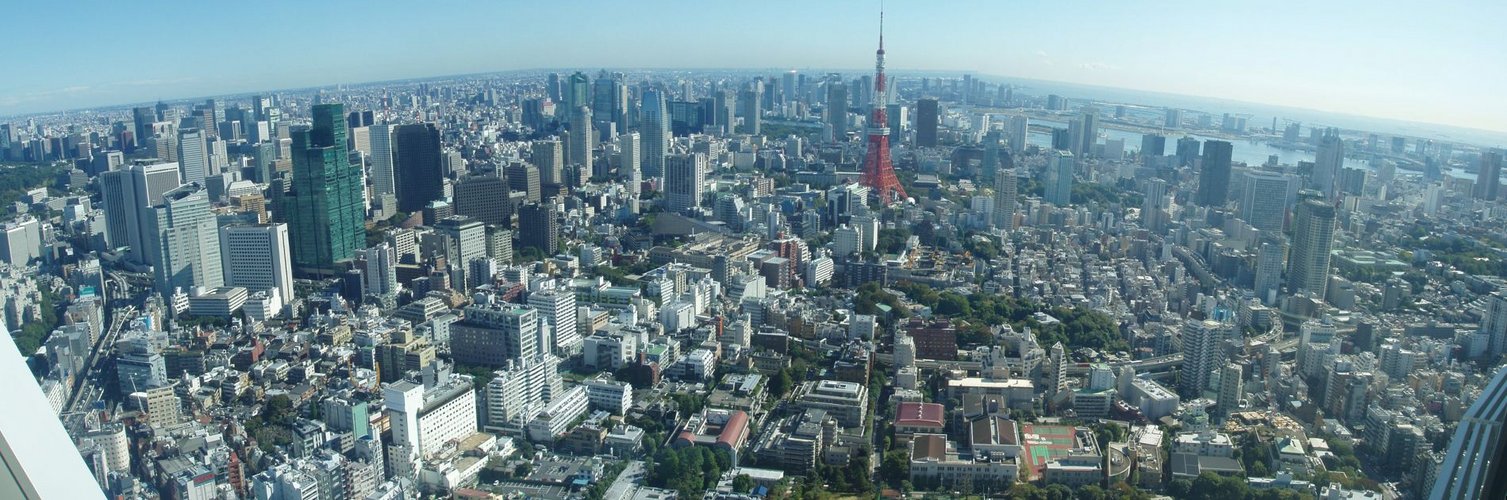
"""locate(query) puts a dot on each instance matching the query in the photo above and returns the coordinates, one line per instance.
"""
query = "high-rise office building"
(836, 112)
(537, 228)
(257, 257)
(1269, 255)
(380, 276)
(1059, 182)
(1203, 351)
(1489, 175)
(656, 134)
(1187, 151)
(582, 141)
(383, 179)
(185, 240)
(193, 159)
(1174, 119)
(630, 161)
(1152, 146)
(1312, 239)
(524, 178)
(485, 198)
(685, 176)
(1154, 216)
(1327, 163)
(553, 88)
(927, 119)
(1020, 132)
(749, 109)
(1474, 462)
(143, 118)
(1494, 323)
(1263, 202)
(577, 91)
(127, 194)
(1084, 133)
(609, 105)
(465, 241)
(549, 156)
(324, 209)
(416, 165)
(1004, 199)
(1214, 174)
(1231, 388)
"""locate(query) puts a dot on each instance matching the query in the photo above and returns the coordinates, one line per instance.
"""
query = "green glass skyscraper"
(324, 207)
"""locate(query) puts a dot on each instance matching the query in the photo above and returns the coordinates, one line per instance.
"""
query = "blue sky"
(1441, 62)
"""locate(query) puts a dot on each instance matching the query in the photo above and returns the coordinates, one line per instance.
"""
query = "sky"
(1434, 62)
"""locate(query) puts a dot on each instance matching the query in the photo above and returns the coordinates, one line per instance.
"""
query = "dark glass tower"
(324, 207)
(416, 151)
(1214, 178)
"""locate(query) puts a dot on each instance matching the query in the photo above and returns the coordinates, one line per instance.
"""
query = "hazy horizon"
(1346, 58)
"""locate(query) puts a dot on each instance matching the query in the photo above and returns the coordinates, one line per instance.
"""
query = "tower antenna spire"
(881, 24)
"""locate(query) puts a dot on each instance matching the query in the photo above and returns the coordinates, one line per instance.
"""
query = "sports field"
(1042, 442)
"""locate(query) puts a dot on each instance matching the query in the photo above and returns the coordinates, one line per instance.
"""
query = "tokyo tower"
(878, 174)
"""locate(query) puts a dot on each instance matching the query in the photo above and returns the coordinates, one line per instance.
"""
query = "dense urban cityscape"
(720, 284)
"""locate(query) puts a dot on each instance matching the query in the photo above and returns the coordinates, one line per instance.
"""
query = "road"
(87, 387)
(626, 482)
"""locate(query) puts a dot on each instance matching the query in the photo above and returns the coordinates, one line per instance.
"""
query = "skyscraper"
(1152, 146)
(185, 241)
(257, 257)
(524, 178)
(582, 141)
(577, 91)
(1327, 163)
(1264, 204)
(1489, 176)
(1214, 175)
(465, 241)
(416, 165)
(748, 106)
(1084, 133)
(1473, 463)
(656, 134)
(382, 176)
(193, 160)
(1269, 266)
(1059, 182)
(127, 195)
(1202, 352)
(609, 105)
(557, 314)
(1187, 151)
(1154, 215)
(927, 118)
(836, 112)
(549, 156)
(537, 228)
(380, 277)
(552, 87)
(1004, 199)
(630, 161)
(324, 207)
(1231, 387)
(1020, 131)
(1313, 238)
(494, 335)
(684, 182)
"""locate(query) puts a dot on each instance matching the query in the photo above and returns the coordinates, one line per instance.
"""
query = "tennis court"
(1042, 442)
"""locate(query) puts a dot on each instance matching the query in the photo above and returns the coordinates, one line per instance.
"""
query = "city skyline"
(1197, 56)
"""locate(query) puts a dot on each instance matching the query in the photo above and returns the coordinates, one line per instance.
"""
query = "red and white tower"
(878, 173)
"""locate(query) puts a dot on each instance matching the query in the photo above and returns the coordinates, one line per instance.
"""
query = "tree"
(742, 484)
(894, 467)
(952, 304)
